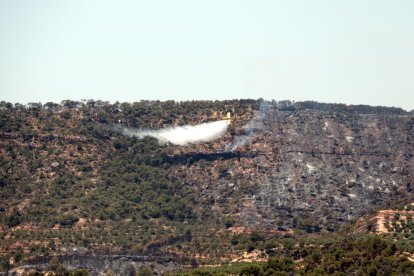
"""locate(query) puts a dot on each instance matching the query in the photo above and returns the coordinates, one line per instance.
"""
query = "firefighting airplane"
(228, 118)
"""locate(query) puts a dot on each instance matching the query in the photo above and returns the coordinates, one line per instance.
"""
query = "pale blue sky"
(355, 52)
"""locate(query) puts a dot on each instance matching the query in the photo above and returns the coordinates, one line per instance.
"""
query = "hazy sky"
(355, 52)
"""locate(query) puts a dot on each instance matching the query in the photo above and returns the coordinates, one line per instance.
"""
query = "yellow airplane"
(228, 118)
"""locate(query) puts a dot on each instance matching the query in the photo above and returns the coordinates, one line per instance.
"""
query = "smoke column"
(250, 130)
(183, 135)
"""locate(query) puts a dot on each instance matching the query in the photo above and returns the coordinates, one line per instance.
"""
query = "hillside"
(71, 183)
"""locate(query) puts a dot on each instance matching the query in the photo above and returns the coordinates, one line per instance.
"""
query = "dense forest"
(299, 197)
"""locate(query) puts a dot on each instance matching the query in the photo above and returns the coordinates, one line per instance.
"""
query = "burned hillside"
(312, 169)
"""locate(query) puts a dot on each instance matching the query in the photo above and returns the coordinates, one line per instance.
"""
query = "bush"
(256, 236)
(14, 219)
(145, 271)
(68, 220)
(252, 270)
(279, 264)
(228, 222)
(78, 272)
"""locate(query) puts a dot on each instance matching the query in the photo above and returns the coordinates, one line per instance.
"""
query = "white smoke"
(183, 135)
(250, 130)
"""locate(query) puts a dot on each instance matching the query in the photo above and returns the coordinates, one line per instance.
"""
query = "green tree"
(252, 270)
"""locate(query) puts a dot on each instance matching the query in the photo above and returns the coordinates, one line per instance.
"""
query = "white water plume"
(183, 135)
